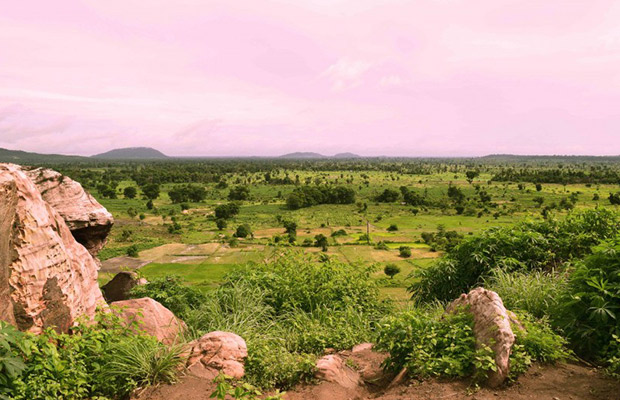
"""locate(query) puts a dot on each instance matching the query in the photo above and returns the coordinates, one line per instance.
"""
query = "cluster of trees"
(570, 175)
(185, 193)
(306, 196)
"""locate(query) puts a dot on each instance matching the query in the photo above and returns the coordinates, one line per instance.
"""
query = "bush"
(132, 251)
(429, 342)
(243, 231)
(591, 306)
(239, 193)
(171, 293)
(221, 223)
(83, 365)
(527, 246)
(404, 251)
(392, 228)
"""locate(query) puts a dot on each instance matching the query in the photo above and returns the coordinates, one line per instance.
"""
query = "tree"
(130, 192)
(538, 187)
(149, 204)
(614, 198)
(221, 223)
(471, 175)
(151, 191)
(243, 231)
(320, 240)
(388, 196)
(239, 193)
(226, 211)
(391, 270)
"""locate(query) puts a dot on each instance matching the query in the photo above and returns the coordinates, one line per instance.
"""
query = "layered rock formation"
(47, 278)
(491, 328)
(89, 221)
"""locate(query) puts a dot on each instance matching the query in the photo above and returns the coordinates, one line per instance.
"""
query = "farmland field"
(179, 236)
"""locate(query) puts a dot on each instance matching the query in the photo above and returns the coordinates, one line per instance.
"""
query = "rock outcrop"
(89, 221)
(152, 318)
(47, 278)
(333, 368)
(119, 287)
(217, 351)
(491, 328)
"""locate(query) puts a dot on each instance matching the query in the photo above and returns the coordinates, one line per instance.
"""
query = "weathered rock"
(88, 220)
(332, 368)
(152, 318)
(491, 328)
(47, 279)
(119, 287)
(217, 351)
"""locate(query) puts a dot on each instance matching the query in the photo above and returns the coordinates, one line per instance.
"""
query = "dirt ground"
(559, 382)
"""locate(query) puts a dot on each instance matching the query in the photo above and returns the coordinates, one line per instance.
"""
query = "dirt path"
(560, 382)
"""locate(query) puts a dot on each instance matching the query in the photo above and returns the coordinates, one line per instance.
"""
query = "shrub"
(404, 251)
(526, 246)
(132, 251)
(592, 303)
(239, 193)
(243, 231)
(171, 293)
(392, 228)
(221, 223)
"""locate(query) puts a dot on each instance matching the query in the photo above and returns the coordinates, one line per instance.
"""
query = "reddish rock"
(491, 328)
(152, 318)
(47, 279)
(332, 368)
(217, 351)
(88, 220)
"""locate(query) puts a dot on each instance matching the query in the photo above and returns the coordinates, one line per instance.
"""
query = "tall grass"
(536, 292)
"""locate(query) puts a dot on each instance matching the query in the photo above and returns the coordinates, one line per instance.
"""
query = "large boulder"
(152, 318)
(217, 351)
(88, 220)
(491, 328)
(47, 279)
(119, 287)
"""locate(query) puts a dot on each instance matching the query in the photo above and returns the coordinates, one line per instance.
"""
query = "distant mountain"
(346, 155)
(132, 153)
(302, 154)
(24, 157)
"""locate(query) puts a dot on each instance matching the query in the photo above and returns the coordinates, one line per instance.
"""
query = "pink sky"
(255, 77)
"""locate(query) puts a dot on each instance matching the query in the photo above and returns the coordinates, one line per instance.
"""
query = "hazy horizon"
(437, 78)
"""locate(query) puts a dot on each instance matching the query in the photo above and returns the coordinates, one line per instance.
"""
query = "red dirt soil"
(559, 382)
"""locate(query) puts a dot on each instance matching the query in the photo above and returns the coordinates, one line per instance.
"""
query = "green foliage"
(320, 240)
(392, 228)
(391, 270)
(130, 192)
(388, 196)
(536, 292)
(404, 251)
(171, 293)
(243, 231)
(226, 388)
(132, 251)
(591, 307)
(83, 365)
(239, 193)
(142, 361)
(306, 196)
(527, 246)
(185, 193)
(428, 344)
(289, 310)
(226, 211)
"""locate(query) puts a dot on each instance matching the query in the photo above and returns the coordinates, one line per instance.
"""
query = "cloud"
(346, 73)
